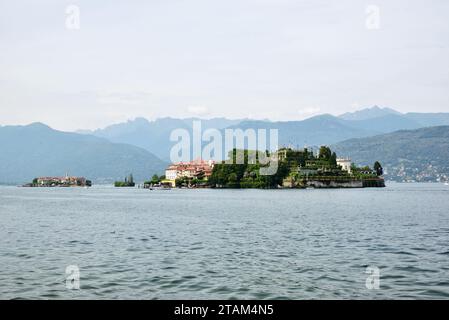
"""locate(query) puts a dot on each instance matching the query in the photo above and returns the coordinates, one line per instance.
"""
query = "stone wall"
(334, 184)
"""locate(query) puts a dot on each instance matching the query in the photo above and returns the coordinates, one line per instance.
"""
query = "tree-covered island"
(65, 181)
(295, 169)
(129, 182)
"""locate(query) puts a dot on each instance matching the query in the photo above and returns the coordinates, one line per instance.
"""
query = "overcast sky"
(276, 59)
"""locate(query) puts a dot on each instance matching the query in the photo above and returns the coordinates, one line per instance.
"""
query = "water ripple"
(224, 244)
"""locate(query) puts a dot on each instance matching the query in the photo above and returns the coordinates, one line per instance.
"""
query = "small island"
(129, 182)
(59, 182)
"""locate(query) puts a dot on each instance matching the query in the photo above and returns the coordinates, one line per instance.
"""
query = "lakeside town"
(295, 168)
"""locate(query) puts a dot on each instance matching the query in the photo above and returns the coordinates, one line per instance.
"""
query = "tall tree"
(325, 153)
(378, 168)
(333, 159)
(155, 179)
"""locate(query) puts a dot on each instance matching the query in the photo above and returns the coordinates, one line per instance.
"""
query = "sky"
(87, 64)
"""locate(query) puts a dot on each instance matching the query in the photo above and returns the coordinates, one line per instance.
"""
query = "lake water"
(225, 244)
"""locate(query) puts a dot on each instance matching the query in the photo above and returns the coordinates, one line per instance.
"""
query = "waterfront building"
(192, 169)
(65, 181)
(291, 155)
(171, 172)
(345, 164)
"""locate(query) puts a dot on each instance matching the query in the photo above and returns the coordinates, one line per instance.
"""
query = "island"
(129, 182)
(59, 182)
(295, 168)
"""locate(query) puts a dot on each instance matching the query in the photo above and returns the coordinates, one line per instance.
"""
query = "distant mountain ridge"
(387, 123)
(318, 130)
(323, 129)
(406, 155)
(37, 150)
(396, 120)
(369, 113)
(154, 135)
(137, 146)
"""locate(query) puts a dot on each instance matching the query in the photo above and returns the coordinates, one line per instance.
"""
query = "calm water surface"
(225, 244)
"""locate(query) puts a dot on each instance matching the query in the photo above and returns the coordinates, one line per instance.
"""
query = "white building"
(345, 164)
(189, 169)
(171, 173)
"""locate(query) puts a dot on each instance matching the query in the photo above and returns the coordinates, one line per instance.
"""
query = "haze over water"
(221, 244)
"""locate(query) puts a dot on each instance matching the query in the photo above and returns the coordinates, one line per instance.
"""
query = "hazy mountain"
(369, 113)
(385, 124)
(154, 136)
(421, 155)
(318, 130)
(37, 150)
(429, 119)
(388, 120)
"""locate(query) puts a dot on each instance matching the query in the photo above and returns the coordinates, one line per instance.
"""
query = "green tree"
(179, 182)
(232, 177)
(333, 159)
(200, 175)
(378, 168)
(325, 153)
(155, 179)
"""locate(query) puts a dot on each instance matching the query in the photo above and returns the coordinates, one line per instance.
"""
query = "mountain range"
(37, 150)
(154, 136)
(323, 129)
(369, 113)
(406, 155)
(142, 147)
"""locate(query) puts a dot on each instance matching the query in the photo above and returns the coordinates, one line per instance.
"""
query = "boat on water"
(157, 187)
(160, 188)
(446, 183)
